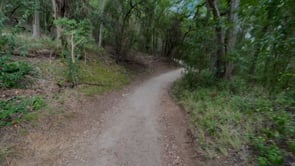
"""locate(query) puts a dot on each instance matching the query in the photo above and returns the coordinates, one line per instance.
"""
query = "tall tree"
(232, 35)
(100, 6)
(60, 8)
(220, 37)
(36, 22)
(101, 27)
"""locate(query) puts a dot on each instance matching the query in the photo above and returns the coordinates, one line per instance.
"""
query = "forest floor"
(139, 125)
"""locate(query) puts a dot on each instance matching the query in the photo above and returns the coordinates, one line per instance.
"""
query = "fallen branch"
(92, 84)
(32, 54)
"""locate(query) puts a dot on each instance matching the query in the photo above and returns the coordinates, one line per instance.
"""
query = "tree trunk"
(220, 36)
(59, 11)
(232, 37)
(100, 35)
(36, 23)
(73, 49)
(101, 27)
(58, 27)
(254, 62)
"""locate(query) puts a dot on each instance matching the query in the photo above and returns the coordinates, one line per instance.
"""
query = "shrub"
(285, 100)
(12, 73)
(193, 80)
(77, 36)
(268, 154)
(206, 78)
(237, 85)
(13, 110)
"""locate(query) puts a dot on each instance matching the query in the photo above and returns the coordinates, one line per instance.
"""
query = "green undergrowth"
(230, 117)
(23, 43)
(13, 73)
(97, 77)
(4, 153)
(19, 109)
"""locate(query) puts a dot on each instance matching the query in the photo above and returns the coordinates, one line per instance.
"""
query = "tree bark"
(58, 27)
(36, 23)
(220, 36)
(100, 35)
(59, 11)
(232, 37)
(73, 49)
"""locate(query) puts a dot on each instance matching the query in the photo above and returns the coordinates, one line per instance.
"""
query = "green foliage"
(24, 43)
(12, 73)
(77, 36)
(214, 120)
(237, 85)
(268, 154)
(104, 76)
(7, 40)
(13, 110)
(80, 30)
(193, 80)
(271, 44)
(5, 152)
(291, 146)
(229, 116)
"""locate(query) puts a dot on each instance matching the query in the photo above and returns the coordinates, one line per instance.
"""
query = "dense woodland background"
(238, 55)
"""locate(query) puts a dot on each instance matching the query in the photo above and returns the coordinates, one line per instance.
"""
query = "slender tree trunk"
(232, 37)
(220, 36)
(58, 27)
(100, 35)
(254, 62)
(59, 11)
(73, 49)
(101, 27)
(36, 23)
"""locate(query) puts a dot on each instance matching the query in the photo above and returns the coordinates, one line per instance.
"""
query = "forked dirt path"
(144, 127)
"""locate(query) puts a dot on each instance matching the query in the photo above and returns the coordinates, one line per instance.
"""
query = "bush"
(237, 85)
(206, 78)
(12, 73)
(285, 100)
(12, 111)
(193, 80)
(77, 36)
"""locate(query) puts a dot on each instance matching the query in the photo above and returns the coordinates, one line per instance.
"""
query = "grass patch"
(53, 70)
(94, 77)
(24, 42)
(13, 73)
(4, 153)
(231, 116)
(102, 76)
(217, 124)
(19, 109)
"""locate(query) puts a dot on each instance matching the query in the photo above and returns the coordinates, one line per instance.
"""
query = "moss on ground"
(97, 77)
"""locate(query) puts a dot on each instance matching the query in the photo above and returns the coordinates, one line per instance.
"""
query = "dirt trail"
(132, 135)
(144, 127)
